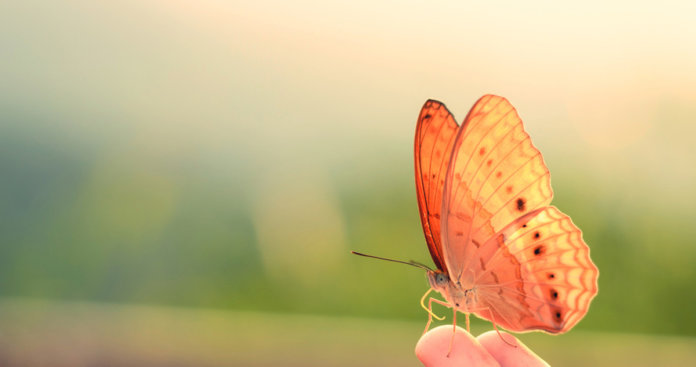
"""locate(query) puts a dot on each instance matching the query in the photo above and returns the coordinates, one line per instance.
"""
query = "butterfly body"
(501, 251)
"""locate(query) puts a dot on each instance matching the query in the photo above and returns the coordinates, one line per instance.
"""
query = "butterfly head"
(438, 279)
(463, 298)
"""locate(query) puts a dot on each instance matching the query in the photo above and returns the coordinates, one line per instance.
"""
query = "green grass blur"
(219, 161)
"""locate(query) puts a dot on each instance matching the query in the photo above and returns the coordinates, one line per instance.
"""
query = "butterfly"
(501, 251)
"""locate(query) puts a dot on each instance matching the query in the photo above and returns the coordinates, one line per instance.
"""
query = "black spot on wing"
(554, 294)
(539, 250)
(520, 204)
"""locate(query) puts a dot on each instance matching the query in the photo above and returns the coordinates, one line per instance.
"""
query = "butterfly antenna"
(411, 262)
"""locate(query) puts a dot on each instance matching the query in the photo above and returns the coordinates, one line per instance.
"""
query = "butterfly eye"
(441, 279)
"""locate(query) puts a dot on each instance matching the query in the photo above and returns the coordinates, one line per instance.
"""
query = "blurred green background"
(181, 182)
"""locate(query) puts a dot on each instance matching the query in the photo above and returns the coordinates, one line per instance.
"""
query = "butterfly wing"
(537, 274)
(497, 187)
(435, 134)
(495, 176)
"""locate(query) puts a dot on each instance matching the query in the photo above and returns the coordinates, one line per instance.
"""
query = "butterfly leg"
(431, 314)
(495, 326)
(454, 330)
(429, 309)
(467, 323)
(501, 335)
(427, 325)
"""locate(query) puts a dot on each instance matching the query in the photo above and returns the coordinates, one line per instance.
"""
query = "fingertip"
(432, 349)
(506, 354)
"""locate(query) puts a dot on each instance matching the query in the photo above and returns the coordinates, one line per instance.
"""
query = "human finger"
(433, 347)
(507, 355)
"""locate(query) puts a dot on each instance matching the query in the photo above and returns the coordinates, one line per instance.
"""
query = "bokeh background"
(181, 182)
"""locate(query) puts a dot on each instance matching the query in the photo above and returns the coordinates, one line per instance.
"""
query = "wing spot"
(483, 265)
(499, 174)
(557, 316)
(536, 234)
(551, 275)
(539, 250)
(520, 204)
(427, 116)
(482, 151)
(509, 190)
(459, 234)
(524, 225)
(495, 277)
(436, 215)
(476, 243)
(554, 293)
(490, 161)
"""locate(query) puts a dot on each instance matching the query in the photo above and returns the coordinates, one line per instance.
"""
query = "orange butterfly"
(502, 253)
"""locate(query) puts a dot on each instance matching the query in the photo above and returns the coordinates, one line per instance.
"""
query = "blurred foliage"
(76, 225)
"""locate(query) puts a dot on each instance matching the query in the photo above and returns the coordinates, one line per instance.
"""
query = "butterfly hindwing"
(553, 281)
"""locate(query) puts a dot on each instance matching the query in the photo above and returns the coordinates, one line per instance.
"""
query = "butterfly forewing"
(435, 134)
(495, 176)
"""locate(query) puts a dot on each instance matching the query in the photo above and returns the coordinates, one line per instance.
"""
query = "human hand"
(488, 349)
